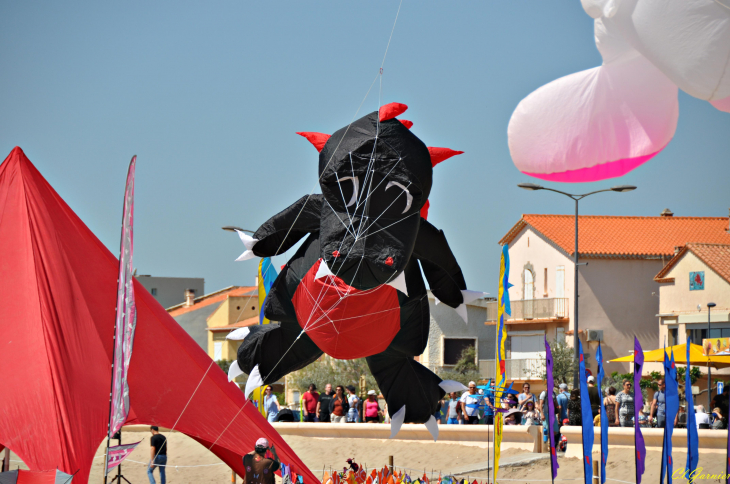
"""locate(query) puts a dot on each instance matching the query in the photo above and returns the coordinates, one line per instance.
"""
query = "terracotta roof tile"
(624, 237)
(215, 297)
(716, 256)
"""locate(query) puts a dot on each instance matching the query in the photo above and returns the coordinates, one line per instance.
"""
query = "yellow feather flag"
(503, 307)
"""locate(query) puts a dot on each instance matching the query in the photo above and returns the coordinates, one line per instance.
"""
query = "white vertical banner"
(126, 317)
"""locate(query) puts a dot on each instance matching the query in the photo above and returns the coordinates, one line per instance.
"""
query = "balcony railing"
(527, 369)
(525, 309)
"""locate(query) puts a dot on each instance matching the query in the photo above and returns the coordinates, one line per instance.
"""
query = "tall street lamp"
(710, 305)
(577, 198)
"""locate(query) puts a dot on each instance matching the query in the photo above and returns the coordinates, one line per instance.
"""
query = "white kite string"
(379, 75)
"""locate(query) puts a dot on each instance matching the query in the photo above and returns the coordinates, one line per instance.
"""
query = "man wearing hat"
(259, 468)
(594, 396)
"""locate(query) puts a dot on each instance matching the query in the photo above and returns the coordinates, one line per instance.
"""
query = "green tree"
(337, 372)
(564, 364)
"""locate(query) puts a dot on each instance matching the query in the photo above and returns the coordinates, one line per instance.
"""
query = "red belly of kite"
(346, 323)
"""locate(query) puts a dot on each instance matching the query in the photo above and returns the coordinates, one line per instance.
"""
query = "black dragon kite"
(354, 289)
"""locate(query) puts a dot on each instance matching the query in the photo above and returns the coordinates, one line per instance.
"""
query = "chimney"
(666, 213)
(189, 297)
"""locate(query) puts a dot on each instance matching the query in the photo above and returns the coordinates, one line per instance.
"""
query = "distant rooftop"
(624, 237)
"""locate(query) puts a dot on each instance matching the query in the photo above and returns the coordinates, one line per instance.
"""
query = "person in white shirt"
(701, 416)
(471, 401)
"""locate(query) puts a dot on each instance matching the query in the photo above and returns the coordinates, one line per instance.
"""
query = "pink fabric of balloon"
(722, 104)
(596, 124)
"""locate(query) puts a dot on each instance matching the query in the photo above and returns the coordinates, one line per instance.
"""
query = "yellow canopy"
(696, 357)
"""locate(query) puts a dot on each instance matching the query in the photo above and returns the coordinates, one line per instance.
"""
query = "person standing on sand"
(259, 468)
(562, 400)
(158, 454)
(323, 405)
(310, 400)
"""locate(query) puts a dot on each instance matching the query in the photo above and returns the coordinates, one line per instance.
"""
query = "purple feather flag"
(551, 409)
(639, 446)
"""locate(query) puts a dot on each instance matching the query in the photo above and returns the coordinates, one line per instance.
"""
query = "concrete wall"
(531, 249)
(446, 323)
(616, 297)
(171, 290)
(232, 310)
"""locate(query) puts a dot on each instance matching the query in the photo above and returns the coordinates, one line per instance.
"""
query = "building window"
(673, 336)
(697, 281)
(560, 281)
(295, 396)
(453, 347)
(529, 289)
(218, 350)
(153, 291)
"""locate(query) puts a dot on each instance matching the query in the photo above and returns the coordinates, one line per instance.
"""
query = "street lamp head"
(623, 188)
(530, 186)
(711, 305)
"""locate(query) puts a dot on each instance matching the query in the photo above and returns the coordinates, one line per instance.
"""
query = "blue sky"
(209, 96)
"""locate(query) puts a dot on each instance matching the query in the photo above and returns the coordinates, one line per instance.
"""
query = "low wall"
(714, 441)
(513, 437)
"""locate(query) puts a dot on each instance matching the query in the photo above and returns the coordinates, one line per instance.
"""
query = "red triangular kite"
(57, 296)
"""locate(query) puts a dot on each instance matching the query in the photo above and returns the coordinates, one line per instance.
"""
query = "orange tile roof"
(240, 324)
(212, 298)
(716, 256)
(624, 237)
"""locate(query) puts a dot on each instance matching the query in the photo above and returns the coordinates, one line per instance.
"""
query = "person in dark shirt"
(323, 405)
(594, 396)
(158, 455)
(259, 468)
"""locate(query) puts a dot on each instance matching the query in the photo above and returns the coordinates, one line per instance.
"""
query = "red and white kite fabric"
(604, 122)
(57, 297)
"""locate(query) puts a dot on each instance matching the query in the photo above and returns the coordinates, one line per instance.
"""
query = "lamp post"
(577, 198)
(710, 305)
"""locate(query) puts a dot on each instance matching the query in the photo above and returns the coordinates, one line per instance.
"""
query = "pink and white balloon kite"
(604, 122)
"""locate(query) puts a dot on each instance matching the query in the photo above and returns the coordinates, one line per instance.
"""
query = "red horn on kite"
(424, 210)
(406, 123)
(317, 139)
(390, 111)
(440, 154)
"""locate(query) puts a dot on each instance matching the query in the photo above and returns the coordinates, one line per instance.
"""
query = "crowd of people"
(477, 406)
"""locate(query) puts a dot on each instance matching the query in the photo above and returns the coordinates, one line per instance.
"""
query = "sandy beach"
(191, 463)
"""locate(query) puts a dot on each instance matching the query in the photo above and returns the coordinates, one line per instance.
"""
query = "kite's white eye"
(355, 188)
(409, 197)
